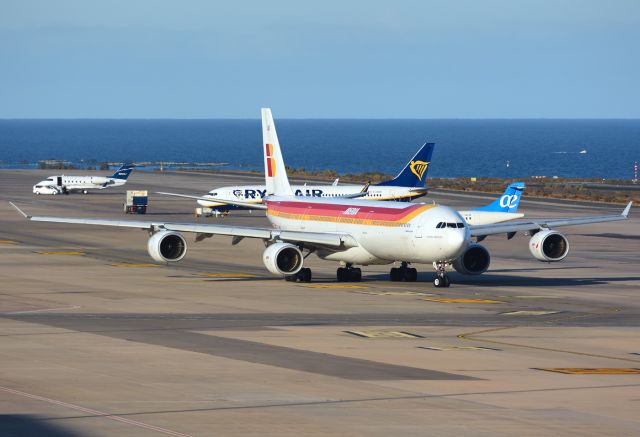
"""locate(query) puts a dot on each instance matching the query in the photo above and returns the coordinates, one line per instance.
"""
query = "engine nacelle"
(549, 246)
(283, 259)
(167, 246)
(474, 260)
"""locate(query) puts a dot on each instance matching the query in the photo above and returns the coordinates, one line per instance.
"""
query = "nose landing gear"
(403, 273)
(441, 279)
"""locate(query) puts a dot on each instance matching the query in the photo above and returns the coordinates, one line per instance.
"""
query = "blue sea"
(481, 148)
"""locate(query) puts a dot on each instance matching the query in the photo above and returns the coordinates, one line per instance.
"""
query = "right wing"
(512, 227)
(323, 239)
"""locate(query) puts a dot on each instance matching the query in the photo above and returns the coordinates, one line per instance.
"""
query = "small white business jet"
(63, 184)
(353, 231)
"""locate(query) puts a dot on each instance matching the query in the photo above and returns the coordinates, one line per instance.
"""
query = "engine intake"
(549, 246)
(283, 259)
(167, 246)
(474, 260)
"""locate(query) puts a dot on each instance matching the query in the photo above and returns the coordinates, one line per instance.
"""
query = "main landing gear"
(349, 274)
(441, 280)
(304, 275)
(403, 273)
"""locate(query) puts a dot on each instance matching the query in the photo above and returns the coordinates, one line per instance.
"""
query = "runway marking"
(534, 297)
(394, 293)
(528, 313)
(458, 348)
(74, 307)
(460, 300)
(225, 275)
(94, 412)
(8, 242)
(135, 265)
(384, 334)
(592, 371)
(334, 286)
(58, 252)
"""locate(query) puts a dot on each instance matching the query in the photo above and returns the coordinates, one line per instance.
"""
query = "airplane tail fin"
(414, 174)
(123, 172)
(275, 173)
(509, 200)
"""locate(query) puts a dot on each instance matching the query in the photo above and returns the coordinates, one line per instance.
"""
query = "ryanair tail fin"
(123, 172)
(509, 200)
(414, 174)
(275, 173)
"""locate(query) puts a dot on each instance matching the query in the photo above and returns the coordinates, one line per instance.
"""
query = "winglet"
(24, 214)
(625, 213)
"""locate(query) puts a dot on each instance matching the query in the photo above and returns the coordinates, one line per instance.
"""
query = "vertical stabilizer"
(509, 200)
(414, 174)
(275, 174)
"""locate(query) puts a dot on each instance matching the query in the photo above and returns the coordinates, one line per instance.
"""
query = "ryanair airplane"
(409, 184)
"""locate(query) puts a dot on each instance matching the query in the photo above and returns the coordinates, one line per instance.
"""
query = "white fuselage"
(75, 183)
(475, 218)
(255, 193)
(385, 232)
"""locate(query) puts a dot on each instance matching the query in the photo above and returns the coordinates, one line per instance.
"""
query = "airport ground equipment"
(137, 202)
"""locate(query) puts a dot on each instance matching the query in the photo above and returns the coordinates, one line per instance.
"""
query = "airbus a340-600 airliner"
(353, 231)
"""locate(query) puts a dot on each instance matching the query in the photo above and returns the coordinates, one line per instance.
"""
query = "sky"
(322, 59)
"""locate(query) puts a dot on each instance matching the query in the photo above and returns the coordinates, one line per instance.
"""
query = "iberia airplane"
(353, 231)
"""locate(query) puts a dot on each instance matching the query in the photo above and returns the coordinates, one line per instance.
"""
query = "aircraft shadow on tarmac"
(489, 279)
(20, 425)
(610, 235)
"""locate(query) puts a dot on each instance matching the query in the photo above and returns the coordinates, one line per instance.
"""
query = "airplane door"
(418, 232)
(59, 181)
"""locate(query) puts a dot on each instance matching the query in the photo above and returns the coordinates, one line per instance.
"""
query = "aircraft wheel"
(341, 274)
(355, 275)
(290, 278)
(394, 274)
(304, 275)
(411, 275)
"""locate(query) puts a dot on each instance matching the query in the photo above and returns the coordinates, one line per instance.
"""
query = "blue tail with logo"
(509, 200)
(123, 172)
(414, 174)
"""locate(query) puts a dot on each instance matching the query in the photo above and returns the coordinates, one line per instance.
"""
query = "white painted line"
(94, 412)
(74, 307)
(528, 313)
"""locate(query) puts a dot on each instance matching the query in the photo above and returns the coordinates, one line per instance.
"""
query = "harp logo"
(418, 168)
(271, 162)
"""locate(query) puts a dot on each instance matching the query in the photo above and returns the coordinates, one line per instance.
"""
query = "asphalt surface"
(96, 339)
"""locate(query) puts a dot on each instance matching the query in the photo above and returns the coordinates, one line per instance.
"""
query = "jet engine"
(549, 246)
(167, 246)
(283, 259)
(474, 260)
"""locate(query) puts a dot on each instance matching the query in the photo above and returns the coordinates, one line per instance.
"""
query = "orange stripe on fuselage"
(347, 214)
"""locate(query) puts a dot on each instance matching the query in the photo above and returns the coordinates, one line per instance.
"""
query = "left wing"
(513, 227)
(327, 239)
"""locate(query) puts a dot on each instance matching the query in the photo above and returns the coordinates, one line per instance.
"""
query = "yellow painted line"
(458, 348)
(135, 265)
(394, 293)
(224, 275)
(461, 300)
(384, 334)
(8, 242)
(592, 371)
(59, 252)
(528, 313)
(334, 286)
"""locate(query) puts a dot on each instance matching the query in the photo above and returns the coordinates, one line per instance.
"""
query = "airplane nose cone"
(455, 242)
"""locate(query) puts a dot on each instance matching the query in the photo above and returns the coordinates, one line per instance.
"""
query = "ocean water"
(463, 147)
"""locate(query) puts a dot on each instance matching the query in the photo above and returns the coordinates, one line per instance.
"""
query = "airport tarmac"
(98, 340)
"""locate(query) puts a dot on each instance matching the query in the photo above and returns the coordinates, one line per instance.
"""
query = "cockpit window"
(460, 225)
(440, 225)
(451, 225)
